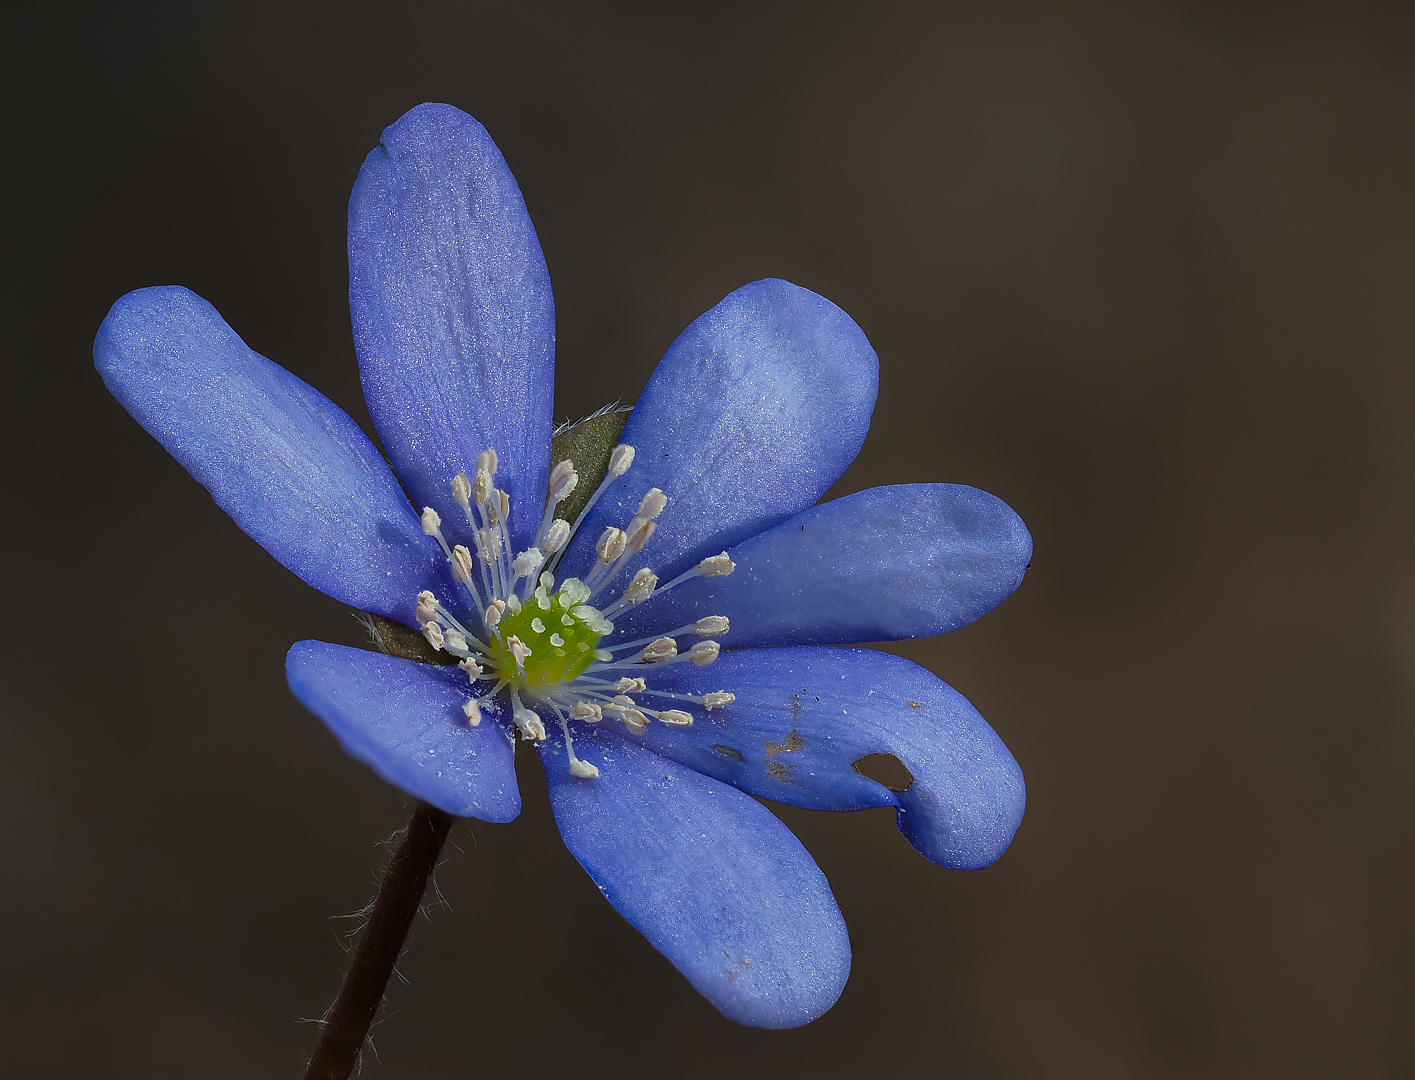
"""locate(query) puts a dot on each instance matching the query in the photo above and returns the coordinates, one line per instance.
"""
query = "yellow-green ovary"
(548, 662)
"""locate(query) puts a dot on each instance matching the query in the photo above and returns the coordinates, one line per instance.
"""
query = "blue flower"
(654, 737)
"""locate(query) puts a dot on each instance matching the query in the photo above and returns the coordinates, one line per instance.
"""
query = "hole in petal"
(884, 769)
(728, 752)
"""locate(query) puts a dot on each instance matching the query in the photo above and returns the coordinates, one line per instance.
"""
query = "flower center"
(557, 645)
(552, 651)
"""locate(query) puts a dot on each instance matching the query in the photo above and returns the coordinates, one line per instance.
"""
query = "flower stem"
(399, 896)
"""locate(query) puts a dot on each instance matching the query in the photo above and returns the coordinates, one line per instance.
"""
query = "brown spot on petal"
(780, 770)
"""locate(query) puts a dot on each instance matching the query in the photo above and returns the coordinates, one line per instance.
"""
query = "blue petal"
(405, 721)
(753, 412)
(887, 563)
(712, 879)
(803, 717)
(296, 474)
(454, 324)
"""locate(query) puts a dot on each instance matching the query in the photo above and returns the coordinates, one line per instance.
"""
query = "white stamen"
(473, 712)
(652, 504)
(487, 461)
(517, 648)
(630, 686)
(610, 544)
(641, 587)
(471, 667)
(711, 626)
(704, 653)
(716, 565)
(717, 699)
(488, 546)
(620, 458)
(640, 529)
(461, 490)
(555, 536)
(563, 479)
(455, 642)
(676, 717)
(660, 649)
(494, 611)
(586, 711)
(635, 721)
(427, 608)
(481, 488)
(431, 522)
(582, 768)
(530, 724)
(433, 633)
(462, 564)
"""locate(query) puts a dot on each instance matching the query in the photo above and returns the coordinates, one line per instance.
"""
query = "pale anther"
(635, 721)
(461, 564)
(498, 507)
(494, 611)
(431, 522)
(717, 565)
(641, 587)
(652, 504)
(530, 723)
(433, 633)
(517, 648)
(471, 667)
(620, 458)
(704, 653)
(481, 488)
(584, 710)
(538, 626)
(472, 711)
(583, 769)
(676, 717)
(610, 544)
(630, 686)
(427, 608)
(640, 529)
(662, 649)
(717, 699)
(486, 462)
(455, 641)
(563, 480)
(461, 490)
(555, 639)
(556, 536)
(711, 626)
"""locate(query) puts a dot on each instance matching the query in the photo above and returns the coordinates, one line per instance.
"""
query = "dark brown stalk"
(399, 896)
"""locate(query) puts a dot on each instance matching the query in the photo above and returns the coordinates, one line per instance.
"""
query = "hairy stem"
(399, 896)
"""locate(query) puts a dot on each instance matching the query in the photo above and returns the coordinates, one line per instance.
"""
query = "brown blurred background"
(1145, 270)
